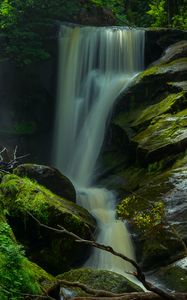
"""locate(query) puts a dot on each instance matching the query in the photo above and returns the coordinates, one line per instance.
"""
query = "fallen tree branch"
(138, 274)
(113, 296)
(134, 296)
(87, 289)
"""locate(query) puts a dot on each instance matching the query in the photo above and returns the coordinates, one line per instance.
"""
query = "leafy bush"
(16, 278)
(145, 217)
(158, 12)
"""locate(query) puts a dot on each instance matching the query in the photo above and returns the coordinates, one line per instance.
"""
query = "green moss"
(175, 65)
(16, 276)
(164, 131)
(23, 195)
(99, 279)
(171, 104)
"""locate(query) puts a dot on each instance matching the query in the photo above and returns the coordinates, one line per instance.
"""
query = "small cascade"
(95, 66)
(101, 203)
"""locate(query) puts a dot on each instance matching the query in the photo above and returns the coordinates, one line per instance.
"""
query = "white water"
(95, 65)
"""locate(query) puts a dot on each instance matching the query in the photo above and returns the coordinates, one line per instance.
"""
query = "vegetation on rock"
(153, 178)
(100, 280)
(21, 197)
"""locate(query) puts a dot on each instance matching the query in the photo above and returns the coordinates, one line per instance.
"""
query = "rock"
(168, 135)
(99, 279)
(158, 39)
(49, 177)
(175, 51)
(157, 210)
(173, 277)
(158, 124)
(52, 251)
(152, 114)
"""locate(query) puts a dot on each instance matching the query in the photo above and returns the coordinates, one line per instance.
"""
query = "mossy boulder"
(49, 177)
(174, 276)
(54, 252)
(17, 274)
(98, 279)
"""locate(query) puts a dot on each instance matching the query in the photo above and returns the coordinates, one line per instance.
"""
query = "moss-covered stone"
(174, 276)
(171, 104)
(99, 279)
(167, 134)
(54, 252)
(49, 177)
(157, 210)
(153, 180)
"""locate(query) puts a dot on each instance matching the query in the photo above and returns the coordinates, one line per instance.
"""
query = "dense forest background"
(24, 24)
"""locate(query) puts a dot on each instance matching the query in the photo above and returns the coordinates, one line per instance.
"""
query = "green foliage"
(158, 12)
(136, 13)
(16, 277)
(180, 20)
(168, 14)
(145, 218)
(21, 21)
(26, 23)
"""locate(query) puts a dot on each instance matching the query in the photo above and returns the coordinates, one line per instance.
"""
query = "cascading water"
(95, 65)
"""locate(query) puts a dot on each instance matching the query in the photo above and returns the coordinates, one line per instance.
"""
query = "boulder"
(49, 177)
(25, 199)
(173, 277)
(98, 279)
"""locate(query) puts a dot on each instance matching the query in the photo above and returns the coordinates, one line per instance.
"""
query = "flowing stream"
(95, 66)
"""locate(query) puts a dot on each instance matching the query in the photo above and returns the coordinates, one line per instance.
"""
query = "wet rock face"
(173, 277)
(157, 40)
(177, 50)
(153, 115)
(176, 204)
(49, 177)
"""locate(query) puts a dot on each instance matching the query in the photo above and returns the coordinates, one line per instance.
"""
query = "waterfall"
(95, 66)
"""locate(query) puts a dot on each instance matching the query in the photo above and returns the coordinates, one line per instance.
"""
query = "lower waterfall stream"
(95, 66)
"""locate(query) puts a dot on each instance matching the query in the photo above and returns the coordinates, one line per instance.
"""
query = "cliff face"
(149, 169)
(28, 93)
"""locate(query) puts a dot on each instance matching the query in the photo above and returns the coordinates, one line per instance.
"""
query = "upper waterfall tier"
(95, 65)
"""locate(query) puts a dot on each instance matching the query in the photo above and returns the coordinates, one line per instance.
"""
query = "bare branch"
(15, 152)
(139, 274)
(133, 296)
(97, 293)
